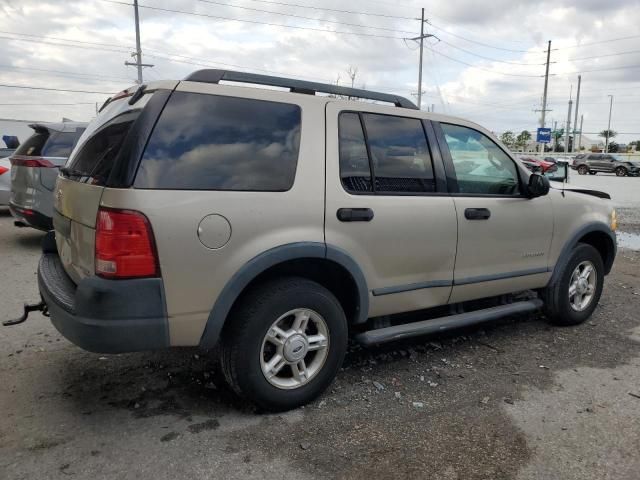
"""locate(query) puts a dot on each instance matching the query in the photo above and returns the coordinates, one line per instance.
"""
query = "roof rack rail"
(296, 86)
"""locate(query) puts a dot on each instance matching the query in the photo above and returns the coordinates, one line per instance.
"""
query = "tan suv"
(276, 223)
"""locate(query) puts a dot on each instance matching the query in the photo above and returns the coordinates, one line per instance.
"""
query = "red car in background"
(538, 165)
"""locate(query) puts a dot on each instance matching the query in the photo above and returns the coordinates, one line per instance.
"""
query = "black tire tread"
(240, 319)
(553, 295)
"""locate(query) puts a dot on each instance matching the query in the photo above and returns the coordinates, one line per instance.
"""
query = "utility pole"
(566, 133)
(555, 136)
(580, 134)
(575, 119)
(421, 38)
(606, 145)
(138, 53)
(544, 94)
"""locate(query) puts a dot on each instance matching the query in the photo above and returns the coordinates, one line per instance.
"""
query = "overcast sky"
(487, 66)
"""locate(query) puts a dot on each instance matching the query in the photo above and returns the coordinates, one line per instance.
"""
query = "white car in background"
(5, 181)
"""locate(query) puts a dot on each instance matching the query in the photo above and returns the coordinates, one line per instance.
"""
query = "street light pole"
(606, 145)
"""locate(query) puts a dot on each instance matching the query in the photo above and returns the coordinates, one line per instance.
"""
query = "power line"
(602, 56)
(488, 58)
(65, 39)
(371, 14)
(63, 73)
(63, 44)
(598, 42)
(255, 22)
(27, 87)
(45, 104)
(306, 18)
(477, 42)
(481, 68)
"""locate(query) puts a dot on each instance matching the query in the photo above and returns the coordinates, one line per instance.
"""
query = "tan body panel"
(410, 241)
(514, 240)
(77, 203)
(193, 274)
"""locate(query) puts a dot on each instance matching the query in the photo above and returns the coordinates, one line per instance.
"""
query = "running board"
(442, 324)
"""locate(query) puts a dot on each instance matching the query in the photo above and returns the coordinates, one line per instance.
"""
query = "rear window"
(60, 144)
(209, 142)
(46, 143)
(96, 156)
(32, 147)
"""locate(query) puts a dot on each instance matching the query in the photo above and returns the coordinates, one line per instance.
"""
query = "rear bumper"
(104, 316)
(31, 218)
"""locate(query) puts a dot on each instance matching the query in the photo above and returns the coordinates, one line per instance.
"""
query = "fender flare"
(573, 241)
(259, 264)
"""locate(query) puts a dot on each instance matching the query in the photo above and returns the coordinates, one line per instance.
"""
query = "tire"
(247, 348)
(621, 172)
(592, 173)
(583, 169)
(558, 303)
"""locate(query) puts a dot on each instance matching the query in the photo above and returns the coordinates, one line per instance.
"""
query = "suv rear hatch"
(35, 164)
(106, 156)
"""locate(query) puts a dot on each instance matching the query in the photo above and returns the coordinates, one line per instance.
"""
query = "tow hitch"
(36, 307)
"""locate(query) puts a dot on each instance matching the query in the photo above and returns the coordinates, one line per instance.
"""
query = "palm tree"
(607, 135)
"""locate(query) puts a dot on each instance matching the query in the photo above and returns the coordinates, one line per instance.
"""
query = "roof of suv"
(296, 86)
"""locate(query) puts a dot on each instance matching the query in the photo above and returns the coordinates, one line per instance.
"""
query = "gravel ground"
(517, 400)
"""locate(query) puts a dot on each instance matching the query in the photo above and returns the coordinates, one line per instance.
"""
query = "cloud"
(518, 28)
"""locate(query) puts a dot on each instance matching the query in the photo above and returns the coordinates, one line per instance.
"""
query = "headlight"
(614, 220)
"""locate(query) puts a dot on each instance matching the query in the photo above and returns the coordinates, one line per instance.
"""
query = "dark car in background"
(592, 163)
(34, 169)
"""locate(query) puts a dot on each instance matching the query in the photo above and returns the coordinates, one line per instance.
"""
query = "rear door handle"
(477, 213)
(355, 214)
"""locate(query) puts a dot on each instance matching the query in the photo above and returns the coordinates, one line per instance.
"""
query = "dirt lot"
(518, 399)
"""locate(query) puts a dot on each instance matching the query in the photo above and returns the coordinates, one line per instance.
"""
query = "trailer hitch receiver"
(36, 307)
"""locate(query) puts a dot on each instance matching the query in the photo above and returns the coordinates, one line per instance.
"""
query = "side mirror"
(538, 185)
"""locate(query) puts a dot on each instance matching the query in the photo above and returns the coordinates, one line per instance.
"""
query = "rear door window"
(394, 147)
(210, 142)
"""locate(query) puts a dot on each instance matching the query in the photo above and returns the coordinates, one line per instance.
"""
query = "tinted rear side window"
(399, 153)
(32, 147)
(208, 142)
(96, 156)
(354, 160)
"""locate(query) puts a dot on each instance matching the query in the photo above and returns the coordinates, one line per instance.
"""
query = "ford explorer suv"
(276, 223)
(34, 171)
(592, 163)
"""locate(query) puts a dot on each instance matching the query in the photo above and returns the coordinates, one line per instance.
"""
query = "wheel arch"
(330, 266)
(596, 234)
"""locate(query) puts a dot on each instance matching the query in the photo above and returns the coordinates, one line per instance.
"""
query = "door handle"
(354, 214)
(477, 213)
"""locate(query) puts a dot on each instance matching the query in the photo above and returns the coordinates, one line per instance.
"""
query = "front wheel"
(621, 172)
(284, 344)
(583, 169)
(574, 294)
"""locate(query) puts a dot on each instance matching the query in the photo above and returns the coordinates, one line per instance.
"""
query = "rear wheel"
(621, 172)
(583, 169)
(574, 295)
(284, 344)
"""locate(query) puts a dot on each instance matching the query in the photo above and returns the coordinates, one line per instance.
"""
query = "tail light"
(3, 170)
(27, 161)
(125, 246)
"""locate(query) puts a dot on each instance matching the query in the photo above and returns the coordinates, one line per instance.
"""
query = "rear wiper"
(70, 171)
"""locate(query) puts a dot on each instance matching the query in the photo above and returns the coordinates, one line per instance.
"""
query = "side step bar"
(436, 325)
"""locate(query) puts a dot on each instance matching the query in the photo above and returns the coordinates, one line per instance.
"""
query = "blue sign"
(544, 135)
